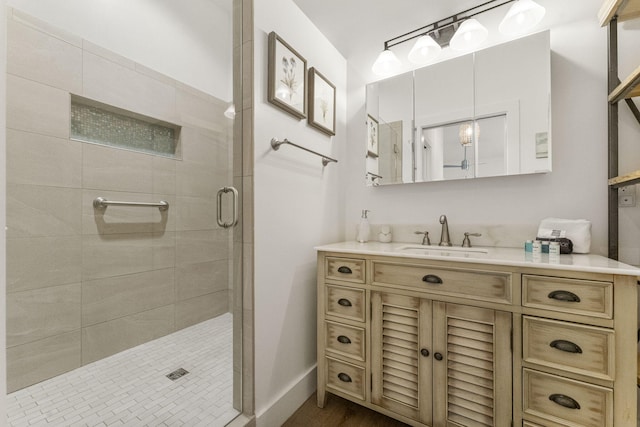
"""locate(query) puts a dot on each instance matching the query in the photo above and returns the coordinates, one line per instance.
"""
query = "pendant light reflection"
(425, 50)
(469, 133)
(230, 112)
(521, 17)
(470, 35)
(387, 63)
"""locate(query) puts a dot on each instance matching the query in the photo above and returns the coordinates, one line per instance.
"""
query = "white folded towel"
(576, 230)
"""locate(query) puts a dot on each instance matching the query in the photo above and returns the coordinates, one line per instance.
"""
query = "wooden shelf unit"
(612, 12)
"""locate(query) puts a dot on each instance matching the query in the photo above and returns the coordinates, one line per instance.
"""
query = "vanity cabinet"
(435, 342)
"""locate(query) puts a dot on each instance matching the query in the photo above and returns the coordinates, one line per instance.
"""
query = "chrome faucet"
(444, 236)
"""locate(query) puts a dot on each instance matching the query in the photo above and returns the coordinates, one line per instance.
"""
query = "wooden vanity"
(495, 339)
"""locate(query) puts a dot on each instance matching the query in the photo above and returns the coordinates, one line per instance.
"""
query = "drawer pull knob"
(438, 356)
(344, 377)
(344, 302)
(564, 296)
(565, 401)
(424, 352)
(344, 270)
(432, 279)
(344, 340)
(567, 346)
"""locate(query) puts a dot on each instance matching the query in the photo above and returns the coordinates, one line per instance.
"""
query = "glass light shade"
(387, 63)
(425, 50)
(521, 17)
(468, 133)
(469, 35)
(230, 112)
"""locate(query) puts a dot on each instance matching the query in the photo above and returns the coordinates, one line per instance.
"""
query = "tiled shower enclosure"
(85, 283)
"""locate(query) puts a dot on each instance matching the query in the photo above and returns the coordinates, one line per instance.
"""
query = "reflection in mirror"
(479, 115)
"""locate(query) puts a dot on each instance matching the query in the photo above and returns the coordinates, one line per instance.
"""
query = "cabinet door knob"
(565, 401)
(424, 352)
(344, 340)
(432, 279)
(344, 302)
(567, 346)
(437, 356)
(344, 377)
(565, 296)
(344, 270)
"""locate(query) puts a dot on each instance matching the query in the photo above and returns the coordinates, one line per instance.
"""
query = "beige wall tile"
(199, 309)
(105, 339)
(100, 51)
(41, 313)
(196, 180)
(43, 160)
(37, 361)
(206, 147)
(194, 280)
(37, 211)
(38, 56)
(112, 169)
(116, 254)
(197, 109)
(201, 246)
(196, 213)
(45, 27)
(119, 219)
(35, 107)
(40, 262)
(164, 250)
(114, 297)
(111, 83)
(164, 175)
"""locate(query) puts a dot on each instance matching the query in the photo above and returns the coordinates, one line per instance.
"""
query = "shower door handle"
(234, 195)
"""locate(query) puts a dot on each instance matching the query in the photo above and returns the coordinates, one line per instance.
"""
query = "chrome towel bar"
(102, 203)
(275, 144)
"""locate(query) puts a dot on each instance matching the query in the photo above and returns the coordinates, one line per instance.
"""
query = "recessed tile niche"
(103, 124)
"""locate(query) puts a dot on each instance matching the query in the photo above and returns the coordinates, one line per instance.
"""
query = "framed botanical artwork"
(287, 74)
(322, 103)
(372, 136)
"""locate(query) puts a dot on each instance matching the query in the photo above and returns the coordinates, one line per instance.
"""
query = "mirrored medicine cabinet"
(479, 115)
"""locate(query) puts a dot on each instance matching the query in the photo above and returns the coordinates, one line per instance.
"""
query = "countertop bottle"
(363, 228)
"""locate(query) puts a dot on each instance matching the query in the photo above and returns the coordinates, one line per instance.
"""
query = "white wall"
(298, 205)
(575, 189)
(190, 44)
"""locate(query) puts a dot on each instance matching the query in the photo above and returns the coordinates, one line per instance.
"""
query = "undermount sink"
(443, 250)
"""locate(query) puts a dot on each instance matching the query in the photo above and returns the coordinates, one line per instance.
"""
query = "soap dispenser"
(364, 227)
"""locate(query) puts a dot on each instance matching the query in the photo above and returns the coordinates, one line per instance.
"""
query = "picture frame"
(287, 77)
(322, 103)
(372, 137)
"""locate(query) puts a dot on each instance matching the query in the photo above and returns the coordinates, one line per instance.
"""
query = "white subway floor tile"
(130, 388)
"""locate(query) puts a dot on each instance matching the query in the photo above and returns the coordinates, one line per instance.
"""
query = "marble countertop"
(487, 255)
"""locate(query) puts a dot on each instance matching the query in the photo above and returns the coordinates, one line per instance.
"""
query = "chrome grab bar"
(275, 144)
(234, 193)
(102, 203)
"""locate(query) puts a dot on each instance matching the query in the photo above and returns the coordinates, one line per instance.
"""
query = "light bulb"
(425, 50)
(387, 63)
(469, 35)
(521, 17)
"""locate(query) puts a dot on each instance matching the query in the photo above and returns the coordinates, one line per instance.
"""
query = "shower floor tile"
(131, 388)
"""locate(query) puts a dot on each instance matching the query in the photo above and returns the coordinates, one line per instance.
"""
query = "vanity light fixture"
(230, 112)
(461, 32)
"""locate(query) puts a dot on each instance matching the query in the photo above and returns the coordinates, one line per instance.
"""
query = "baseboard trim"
(282, 407)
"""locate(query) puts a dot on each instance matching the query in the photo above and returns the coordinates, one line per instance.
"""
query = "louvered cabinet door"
(401, 362)
(472, 366)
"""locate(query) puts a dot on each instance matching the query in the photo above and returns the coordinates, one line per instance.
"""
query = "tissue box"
(576, 230)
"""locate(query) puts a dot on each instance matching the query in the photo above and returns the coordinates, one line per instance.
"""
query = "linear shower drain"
(177, 374)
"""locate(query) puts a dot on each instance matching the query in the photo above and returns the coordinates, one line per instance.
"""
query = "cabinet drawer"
(482, 285)
(346, 269)
(348, 303)
(568, 295)
(345, 377)
(345, 340)
(566, 402)
(574, 348)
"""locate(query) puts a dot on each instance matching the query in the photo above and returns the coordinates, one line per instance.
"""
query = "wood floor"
(338, 412)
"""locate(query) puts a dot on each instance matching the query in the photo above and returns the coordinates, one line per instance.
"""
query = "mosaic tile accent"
(102, 124)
